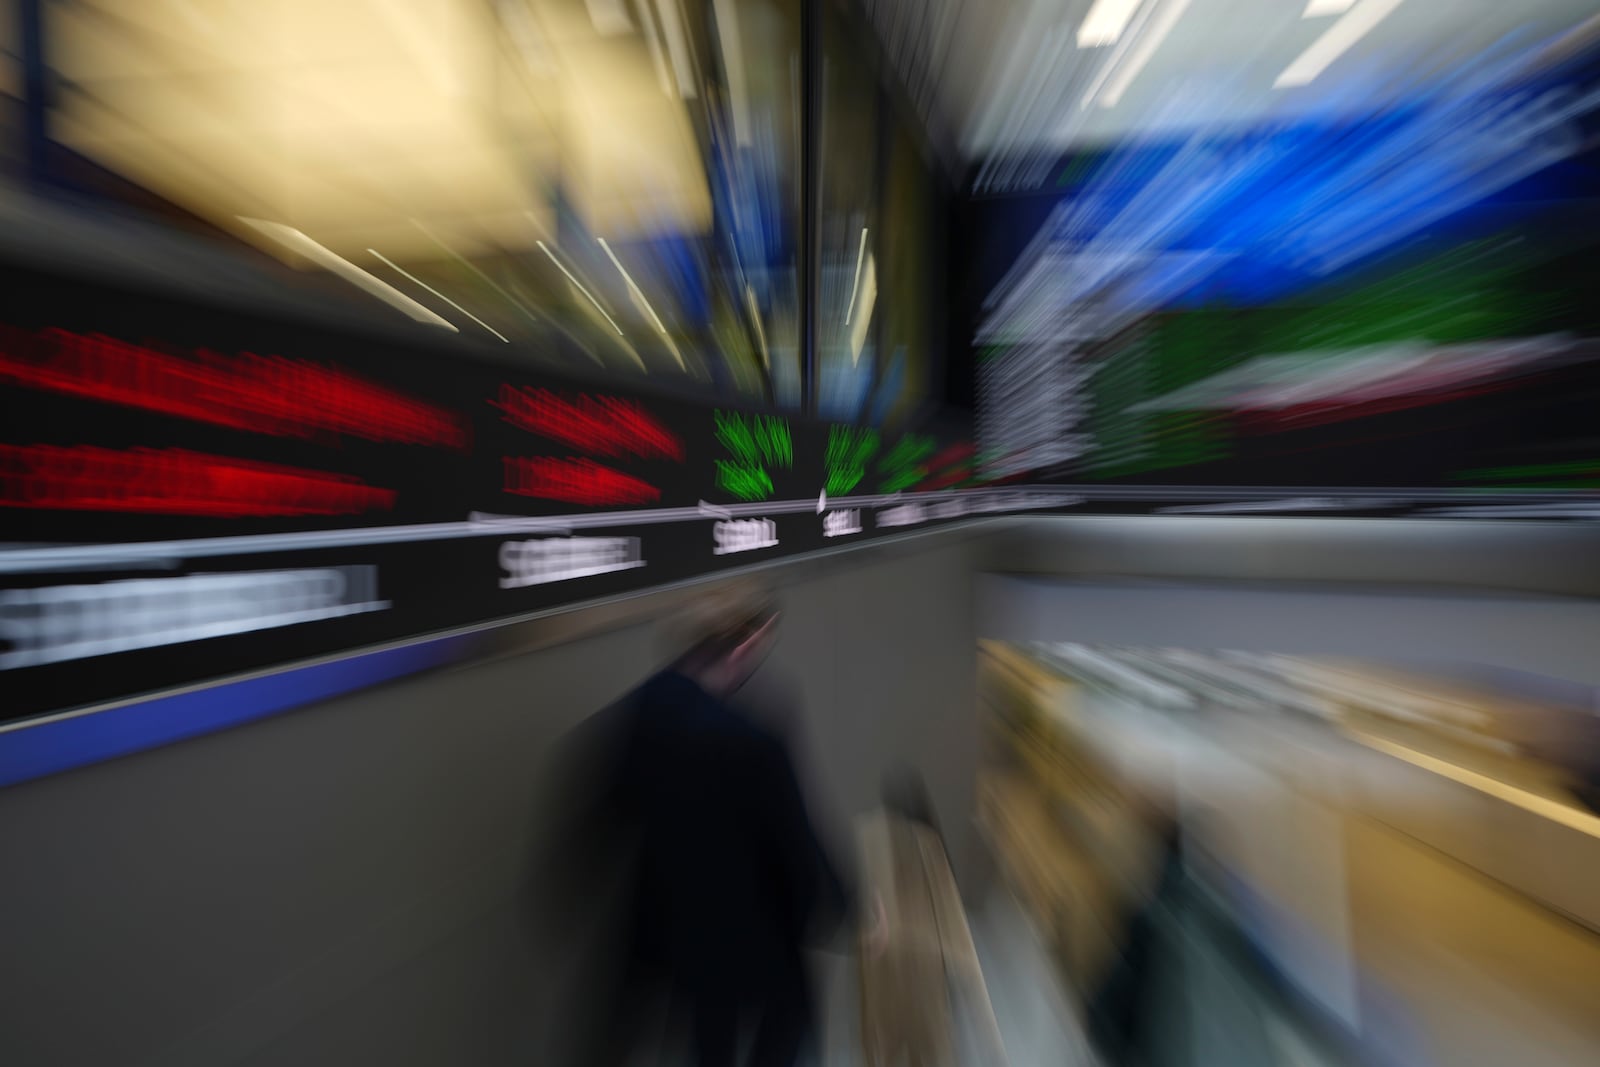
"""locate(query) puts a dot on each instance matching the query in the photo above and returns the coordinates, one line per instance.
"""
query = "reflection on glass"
(913, 237)
(11, 90)
(848, 232)
(612, 186)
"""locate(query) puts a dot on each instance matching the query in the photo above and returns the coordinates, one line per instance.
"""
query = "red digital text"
(175, 482)
(575, 481)
(603, 425)
(261, 394)
(949, 467)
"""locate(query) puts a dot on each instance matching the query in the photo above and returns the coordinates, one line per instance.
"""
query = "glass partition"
(606, 187)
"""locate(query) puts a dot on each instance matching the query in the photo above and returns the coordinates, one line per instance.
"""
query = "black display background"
(433, 585)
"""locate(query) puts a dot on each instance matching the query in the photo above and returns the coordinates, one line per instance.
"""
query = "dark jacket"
(727, 875)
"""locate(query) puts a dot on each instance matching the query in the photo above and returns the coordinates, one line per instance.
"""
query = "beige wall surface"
(342, 884)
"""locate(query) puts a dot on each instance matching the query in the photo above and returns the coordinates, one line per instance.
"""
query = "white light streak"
(571, 278)
(633, 286)
(1335, 42)
(1316, 9)
(855, 284)
(401, 270)
(490, 282)
(869, 297)
(755, 317)
(297, 242)
(744, 535)
(638, 294)
(61, 623)
(562, 559)
(1105, 22)
(480, 524)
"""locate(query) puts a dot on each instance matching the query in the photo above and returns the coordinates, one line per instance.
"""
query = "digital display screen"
(1403, 300)
(190, 493)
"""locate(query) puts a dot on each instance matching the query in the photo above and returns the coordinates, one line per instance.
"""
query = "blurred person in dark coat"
(727, 880)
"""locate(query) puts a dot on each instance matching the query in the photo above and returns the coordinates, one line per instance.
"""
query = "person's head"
(725, 634)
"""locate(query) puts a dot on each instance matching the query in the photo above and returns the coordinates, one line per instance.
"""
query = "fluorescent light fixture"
(1316, 9)
(1335, 41)
(300, 244)
(1161, 25)
(1105, 22)
(590, 296)
(407, 274)
(855, 284)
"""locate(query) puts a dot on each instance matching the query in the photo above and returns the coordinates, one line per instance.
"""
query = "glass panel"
(849, 237)
(600, 184)
(914, 236)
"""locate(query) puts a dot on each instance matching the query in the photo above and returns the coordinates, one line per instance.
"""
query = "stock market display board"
(190, 493)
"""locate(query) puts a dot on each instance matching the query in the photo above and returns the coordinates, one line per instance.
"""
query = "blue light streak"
(1287, 207)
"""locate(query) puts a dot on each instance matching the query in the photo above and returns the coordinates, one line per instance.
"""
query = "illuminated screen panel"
(187, 493)
(1401, 302)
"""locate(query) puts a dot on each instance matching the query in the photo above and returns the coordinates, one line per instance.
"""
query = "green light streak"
(903, 467)
(755, 442)
(1475, 291)
(1580, 474)
(755, 439)
(746, 483)
(849, 451)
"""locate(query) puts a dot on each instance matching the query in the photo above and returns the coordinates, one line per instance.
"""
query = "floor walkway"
(1038, 1026)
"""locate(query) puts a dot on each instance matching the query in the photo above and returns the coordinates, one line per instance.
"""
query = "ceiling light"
(1160, 26)
(1335, 42)
(1316, 9)
(1105, 22)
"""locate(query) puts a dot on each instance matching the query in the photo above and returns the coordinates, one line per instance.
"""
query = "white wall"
(339, 885)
